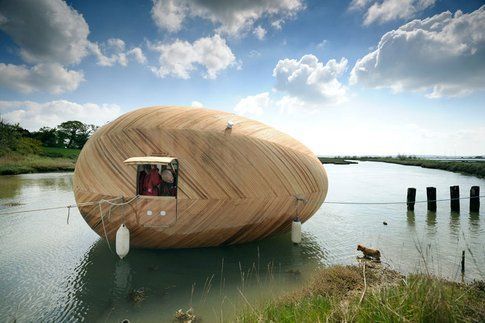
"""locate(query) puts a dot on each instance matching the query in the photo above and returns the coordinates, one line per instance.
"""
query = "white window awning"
(149, 160)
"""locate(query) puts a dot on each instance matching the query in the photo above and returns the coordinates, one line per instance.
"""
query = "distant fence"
(454, 198)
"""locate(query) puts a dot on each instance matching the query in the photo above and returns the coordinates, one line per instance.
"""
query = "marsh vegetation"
(45, 150)
(374, 294)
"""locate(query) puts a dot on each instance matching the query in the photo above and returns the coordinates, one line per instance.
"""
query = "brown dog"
(369, 253)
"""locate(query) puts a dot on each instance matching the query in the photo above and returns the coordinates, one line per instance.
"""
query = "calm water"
(51, 271)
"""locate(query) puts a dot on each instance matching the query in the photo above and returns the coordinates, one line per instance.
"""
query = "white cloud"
(138, 55)
(310, 81)
(113, 52)
(307, 84)
(52, 35)
(50, 31)
(49, 77)
(110, 56)
(443, 55)
(45, 30)
(180, 58)
(234, 18)
(117, 44)
(169, 14)
(34, 115)
(254, 104)
(196, 104)
(388, 10)
(290, 104)
(259, 32)
(277, 24)
(359, 4)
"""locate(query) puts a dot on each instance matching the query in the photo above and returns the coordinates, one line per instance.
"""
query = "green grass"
(475, 168)
(60, 152)
(335, 160)
(12, 164)
(421, 299)
(335, 295)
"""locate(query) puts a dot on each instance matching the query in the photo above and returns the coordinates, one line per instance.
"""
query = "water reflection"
(474, 223)
(411, 218)
(201, 278)
(19, 185)
(61, 183)
(10, 187)
(455, 224)
(431, 222)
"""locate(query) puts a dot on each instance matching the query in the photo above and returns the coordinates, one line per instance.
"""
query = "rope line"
(104, 227)
(384, 203)
(73, 206)
(137, 196)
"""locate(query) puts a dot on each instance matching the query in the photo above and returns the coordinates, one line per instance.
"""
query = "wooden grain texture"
(235, 185)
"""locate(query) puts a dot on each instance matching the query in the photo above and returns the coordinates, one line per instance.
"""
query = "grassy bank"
(335, 161)
(475, 168)
(340, 293)
(49, 160)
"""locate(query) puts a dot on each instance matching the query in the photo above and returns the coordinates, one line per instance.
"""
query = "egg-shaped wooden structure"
(237, 179)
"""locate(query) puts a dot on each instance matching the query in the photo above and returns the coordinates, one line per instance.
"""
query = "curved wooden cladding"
(234, 185)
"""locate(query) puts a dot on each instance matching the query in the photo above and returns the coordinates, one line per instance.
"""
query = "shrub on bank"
(26, 146)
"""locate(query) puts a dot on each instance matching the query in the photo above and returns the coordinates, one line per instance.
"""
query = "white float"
(296, 231)
(122, 241)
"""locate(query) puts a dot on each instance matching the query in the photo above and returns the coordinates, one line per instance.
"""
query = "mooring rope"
(120, 204)
(90, 203)
(401, 202)
(104, 227)
(137, 196)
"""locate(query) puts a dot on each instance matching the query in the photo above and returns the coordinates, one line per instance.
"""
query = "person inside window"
(168, 187)
(151, 182)
(144, 169)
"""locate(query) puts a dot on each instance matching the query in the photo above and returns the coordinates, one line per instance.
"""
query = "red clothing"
(151, 182)
(141, 182)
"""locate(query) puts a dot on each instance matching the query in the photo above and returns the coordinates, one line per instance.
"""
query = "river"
(54, 271)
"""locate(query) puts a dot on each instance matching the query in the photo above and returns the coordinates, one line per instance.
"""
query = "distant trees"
(48, 137)
(9, 135)
(74, 134)
(69, 134)
(406, 157)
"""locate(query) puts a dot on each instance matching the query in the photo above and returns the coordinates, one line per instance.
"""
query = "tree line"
(69, 134)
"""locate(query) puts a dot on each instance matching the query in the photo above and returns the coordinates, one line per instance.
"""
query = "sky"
(359, 77)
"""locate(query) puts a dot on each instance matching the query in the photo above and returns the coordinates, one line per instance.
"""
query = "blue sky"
(343, 77)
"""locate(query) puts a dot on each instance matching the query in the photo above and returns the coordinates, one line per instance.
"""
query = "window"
(155, 176)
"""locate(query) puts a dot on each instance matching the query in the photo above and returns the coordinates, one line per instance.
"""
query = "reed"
(336, 294)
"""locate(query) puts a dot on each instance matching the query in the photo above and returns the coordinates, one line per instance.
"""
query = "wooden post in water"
(455, 198)
(411, 198)
(463, 262)
(474, 199)
(431, 197)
